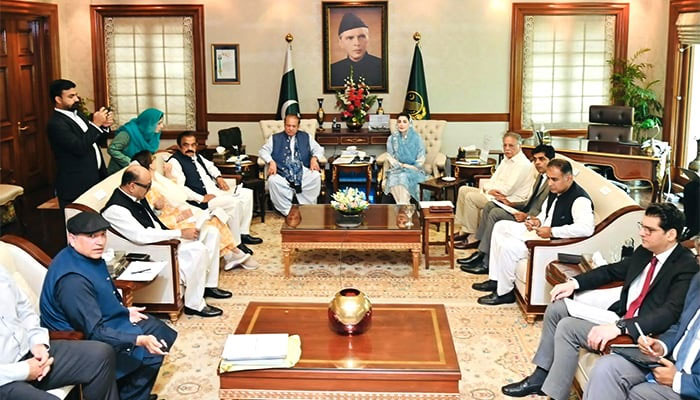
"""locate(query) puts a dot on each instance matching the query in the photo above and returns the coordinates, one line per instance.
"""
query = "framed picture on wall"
(225, 65)
(355, 35)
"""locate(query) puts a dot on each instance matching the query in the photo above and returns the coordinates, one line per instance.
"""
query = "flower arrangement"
(349, 201)
(354, 101)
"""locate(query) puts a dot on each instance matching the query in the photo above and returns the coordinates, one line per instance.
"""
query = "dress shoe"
(486, 286)
(464, 245)
(234, 259)
(217, 293)
(207, 311)
(474, 259)
(245, 248)
(247, 239)
(250, 264)
(478, 269)
(494, 299)
(523, 388)
(460, 237)
(153, 397)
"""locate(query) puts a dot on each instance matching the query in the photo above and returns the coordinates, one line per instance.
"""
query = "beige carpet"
(494, 344)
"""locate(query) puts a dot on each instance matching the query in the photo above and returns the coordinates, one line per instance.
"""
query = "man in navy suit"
(613, 377)
(79, 162)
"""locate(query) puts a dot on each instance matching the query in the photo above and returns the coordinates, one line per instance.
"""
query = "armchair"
(165, 294)
(27, 264)
(431, 132)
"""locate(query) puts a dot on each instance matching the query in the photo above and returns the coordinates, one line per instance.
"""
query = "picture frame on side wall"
(355, 34)
(225, 65)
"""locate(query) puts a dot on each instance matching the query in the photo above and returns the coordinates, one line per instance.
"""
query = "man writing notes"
(73, 139)
(510, 183)
(130, 214)
(292, 166)
(656, 278)
(672, 380)
(567, 213)
(30, 363)
(79, 295)
(478, 262)
(206, 188)
(353, 38)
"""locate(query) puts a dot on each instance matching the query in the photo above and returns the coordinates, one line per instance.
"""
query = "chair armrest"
(66, 335)
(622, 339)
(439, 161)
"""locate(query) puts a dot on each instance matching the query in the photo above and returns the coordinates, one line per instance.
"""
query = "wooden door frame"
(50, 52)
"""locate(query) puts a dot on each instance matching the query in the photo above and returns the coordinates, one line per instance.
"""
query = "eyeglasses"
(647, 230)
(147, 187)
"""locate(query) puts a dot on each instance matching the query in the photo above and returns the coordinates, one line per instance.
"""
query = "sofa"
(27, 264)
(615, 215)
(165, 294)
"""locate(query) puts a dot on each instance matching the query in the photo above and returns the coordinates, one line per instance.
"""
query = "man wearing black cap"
(79, 295)
(353, 37)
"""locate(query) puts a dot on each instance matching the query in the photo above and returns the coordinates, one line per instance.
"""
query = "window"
(559, 54)
(148, 56)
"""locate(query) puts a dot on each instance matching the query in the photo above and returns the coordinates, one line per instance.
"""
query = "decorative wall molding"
(450, 117)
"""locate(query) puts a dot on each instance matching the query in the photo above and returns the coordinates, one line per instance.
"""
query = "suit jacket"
(540, 197)
(663, 303)
(76, 161)
(690, 383)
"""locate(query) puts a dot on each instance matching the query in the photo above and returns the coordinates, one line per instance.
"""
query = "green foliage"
(629, 88)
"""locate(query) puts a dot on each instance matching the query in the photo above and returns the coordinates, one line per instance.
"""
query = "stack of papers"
(436, 203)
(143, 271)
(260, 351)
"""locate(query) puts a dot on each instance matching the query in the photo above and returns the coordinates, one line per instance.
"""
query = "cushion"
(9, 193)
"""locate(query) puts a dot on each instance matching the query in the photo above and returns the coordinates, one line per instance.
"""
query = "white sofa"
(165, 294)
(27, 265)
(615, 214)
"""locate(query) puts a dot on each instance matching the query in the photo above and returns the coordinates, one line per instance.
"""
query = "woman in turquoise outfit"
(406, 157)
(141, 133)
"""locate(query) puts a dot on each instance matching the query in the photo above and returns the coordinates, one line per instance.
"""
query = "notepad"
(589, 313)
(247, 347)
(143, 271)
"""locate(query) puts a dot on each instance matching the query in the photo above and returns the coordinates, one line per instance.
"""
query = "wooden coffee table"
(408, 348)
(380, 229)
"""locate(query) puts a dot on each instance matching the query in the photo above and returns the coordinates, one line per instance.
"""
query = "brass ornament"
(350, 312)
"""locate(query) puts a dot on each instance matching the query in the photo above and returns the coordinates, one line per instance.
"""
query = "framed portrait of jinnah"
(355, 38)
(225, 65)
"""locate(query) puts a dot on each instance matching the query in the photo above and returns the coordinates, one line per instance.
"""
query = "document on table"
(246, 347)
(144, 271)
(293, 357)
(436, 203)
(589, 313)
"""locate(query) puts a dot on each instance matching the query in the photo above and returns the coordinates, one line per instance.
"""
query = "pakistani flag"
(416, 103)
(288, 102)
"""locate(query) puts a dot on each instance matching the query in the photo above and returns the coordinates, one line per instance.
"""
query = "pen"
(140, 271)
(643, 336)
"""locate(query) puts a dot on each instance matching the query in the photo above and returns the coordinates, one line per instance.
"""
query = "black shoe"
(478, 269)
(486, 286)
(217, 293)
(465, 245)
(153, 397)
(207, 311)
(473, 259)
(494, 299)
(247, 239)
(523, 388)
(245, 248)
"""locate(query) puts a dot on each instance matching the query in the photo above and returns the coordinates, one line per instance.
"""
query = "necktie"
(532, 198)
(645, 289)
(684, 351)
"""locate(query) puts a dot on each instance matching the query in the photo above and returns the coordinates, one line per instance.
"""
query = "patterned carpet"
(494, 344)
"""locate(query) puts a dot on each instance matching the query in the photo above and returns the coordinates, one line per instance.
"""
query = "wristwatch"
(621, 324)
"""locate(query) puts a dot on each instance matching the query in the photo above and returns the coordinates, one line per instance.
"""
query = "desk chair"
(611, 131)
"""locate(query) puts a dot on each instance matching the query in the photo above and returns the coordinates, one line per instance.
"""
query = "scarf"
(142, 132)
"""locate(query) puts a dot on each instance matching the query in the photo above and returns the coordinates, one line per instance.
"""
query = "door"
(24, 156)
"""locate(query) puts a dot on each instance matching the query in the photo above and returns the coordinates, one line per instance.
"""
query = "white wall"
(465, 46)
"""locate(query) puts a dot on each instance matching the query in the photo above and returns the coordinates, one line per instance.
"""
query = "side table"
(469, 172)
(365, 167)
(559, 272)
(428, 218)
(440, 186)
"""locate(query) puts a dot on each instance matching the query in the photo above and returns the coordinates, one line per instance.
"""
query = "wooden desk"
(407, 349)
(625, 167)
(347, 138)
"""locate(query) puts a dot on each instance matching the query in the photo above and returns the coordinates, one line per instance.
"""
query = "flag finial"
(416, 36)
(289, 38)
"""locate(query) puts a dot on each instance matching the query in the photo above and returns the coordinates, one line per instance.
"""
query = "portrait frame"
(225, 64)
(374, 15)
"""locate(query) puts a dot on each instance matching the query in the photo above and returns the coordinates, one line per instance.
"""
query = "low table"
(407, 349)
(315, 228)
(439, 186)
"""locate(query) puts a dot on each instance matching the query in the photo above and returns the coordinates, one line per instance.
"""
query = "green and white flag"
(416, 103)
(288, 102)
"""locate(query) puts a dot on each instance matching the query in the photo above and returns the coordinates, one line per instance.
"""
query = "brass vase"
(695, 164)
(350, 312)
(353, 126)
(320, 114)
(380, 109)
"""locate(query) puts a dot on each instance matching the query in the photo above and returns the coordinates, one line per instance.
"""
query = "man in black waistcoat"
(73, 139)
(567, 213)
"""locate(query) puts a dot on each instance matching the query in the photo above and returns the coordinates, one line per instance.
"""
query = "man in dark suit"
(79, 162)
(478, 262)
(656, 278)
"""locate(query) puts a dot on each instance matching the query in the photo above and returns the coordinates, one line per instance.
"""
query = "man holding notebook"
(656, 278)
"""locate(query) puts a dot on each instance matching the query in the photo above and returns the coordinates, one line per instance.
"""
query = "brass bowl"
(350, 312)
